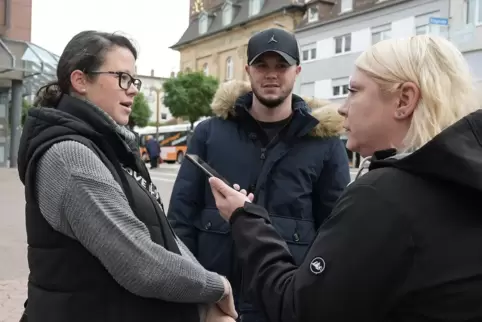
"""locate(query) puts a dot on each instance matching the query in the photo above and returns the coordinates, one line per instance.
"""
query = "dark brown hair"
(86, 52)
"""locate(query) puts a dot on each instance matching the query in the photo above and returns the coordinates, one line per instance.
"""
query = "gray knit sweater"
(79, 197)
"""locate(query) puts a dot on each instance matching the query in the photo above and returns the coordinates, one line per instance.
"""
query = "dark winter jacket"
(299, 178)
(153, 148)
(403, 244)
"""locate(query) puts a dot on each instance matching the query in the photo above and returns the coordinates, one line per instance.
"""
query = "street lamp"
(158, 92)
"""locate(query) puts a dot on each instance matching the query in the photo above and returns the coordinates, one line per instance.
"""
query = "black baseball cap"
(274, 40)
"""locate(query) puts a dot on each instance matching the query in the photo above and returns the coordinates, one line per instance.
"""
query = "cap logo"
(272, 40)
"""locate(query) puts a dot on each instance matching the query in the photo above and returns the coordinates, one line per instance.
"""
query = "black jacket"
(298, 179)
(66, 282)
(404, 242)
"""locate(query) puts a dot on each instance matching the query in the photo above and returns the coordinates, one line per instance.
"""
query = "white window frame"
(206, 69)
(255, 7)
(227, 13)
(313, 16)
(384, 32)
(309, 49)
(203, 23)
(346, 6)
(340, 88)
(229, 68)
(425, 28)
(343, 44)
(476, 17)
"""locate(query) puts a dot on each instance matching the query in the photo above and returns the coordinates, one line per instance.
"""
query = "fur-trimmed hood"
(330, 122)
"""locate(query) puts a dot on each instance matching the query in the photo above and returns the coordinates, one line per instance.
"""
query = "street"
(13, 248)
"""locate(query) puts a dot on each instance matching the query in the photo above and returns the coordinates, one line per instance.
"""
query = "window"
(423, 26)
(308, 52)
(163, 116)
(227, 13)
(203, 23)
(381, 33)
(206, 69)
(474, 12)
(340, 90)
(313, 14)
(150, 96)
(422, 30)
(340, 87)
(229, 68)
(346, 5)
(343, 44)
(254, 7)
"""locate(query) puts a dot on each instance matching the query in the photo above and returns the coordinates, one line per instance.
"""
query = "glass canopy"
(27, 61)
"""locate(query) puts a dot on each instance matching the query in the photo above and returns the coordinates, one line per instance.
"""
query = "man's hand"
(214, 314)
(228, 199)
(226, 304)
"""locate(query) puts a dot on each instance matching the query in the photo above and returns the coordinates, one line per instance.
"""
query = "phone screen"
(201, 164)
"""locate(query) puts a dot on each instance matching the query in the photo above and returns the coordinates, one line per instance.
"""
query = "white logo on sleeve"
(317, 265)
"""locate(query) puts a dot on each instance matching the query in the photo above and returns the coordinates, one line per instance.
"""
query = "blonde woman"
(404, 242)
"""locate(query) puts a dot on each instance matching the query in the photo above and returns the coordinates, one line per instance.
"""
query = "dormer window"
(203, 23)
(312, 14)
(227, 13)
(255, 7)
(346, 5)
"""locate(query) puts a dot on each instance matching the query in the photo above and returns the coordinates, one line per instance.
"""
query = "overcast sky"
(153, 24)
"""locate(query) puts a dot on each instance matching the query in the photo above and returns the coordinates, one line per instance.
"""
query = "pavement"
(13, 246)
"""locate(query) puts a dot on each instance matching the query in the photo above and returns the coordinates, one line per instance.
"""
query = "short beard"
(270, 103)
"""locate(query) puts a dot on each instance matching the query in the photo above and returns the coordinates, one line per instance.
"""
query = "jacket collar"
(317, 117)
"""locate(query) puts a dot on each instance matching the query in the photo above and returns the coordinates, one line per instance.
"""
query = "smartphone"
(201, 164)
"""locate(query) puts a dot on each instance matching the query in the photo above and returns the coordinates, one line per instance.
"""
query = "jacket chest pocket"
(297, 233)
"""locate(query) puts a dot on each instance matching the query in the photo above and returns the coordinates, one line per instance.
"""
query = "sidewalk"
(13, 294)
(13, 247)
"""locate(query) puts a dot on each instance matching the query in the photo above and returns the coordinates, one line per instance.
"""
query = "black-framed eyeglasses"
(125, 79)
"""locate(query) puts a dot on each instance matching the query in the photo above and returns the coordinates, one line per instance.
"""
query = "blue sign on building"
(439, 21)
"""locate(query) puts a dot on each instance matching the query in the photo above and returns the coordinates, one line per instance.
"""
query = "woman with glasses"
(99, 245)
(404, 241)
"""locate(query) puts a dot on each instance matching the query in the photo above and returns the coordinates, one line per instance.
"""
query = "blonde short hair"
(440, 71)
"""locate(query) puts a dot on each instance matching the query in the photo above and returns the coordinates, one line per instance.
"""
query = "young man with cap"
(271, 142)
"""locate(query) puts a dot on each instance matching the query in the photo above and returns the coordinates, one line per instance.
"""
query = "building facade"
(24, 67)
(465, 30)
(153, 92)
(218, 33)
(334, 34)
